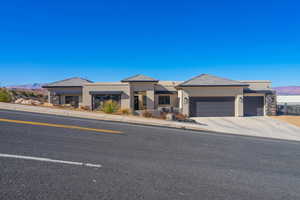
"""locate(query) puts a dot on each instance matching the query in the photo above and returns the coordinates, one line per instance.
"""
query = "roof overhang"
(105, 92)
(48, 86)
(165, 92)
(70, 93)
(247, 90)
(242, 85)
(154, 81)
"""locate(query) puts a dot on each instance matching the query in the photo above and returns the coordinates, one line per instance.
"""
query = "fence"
(288, 109)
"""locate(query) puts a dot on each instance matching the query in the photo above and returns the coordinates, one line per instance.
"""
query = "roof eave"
(242, 85)
(60, 86)
(145, 81)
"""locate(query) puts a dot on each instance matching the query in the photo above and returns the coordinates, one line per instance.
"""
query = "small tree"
(4, 95)
(110, 106)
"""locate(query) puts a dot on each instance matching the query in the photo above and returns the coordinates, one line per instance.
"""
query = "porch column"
(150, 99)
(239, 106)
(49, 97)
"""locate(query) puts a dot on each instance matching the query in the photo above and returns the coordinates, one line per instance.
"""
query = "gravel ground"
(295, 120)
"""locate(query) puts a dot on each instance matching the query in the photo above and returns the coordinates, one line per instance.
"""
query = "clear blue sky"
(44, 41)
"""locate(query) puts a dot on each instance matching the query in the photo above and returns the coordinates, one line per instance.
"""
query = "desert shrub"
(110, 106)
(180, 116)
(125, 111)
(24, 93)
(4, 95)
(146, 113)
(163, 115)
(85, 108)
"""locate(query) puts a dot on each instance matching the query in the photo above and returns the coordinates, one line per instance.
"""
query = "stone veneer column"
(271, 104)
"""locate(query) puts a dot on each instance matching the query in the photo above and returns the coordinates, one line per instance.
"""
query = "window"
(72, 100)
(98, 100)
(69, 99)
(144, 101)
(164, 100)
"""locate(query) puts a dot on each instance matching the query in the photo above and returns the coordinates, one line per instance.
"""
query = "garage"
(212, 106)
(253, 106)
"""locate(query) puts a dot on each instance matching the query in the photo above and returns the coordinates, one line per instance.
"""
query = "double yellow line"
(61, 126)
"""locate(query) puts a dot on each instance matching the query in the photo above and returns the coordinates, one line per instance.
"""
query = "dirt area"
(295, 120)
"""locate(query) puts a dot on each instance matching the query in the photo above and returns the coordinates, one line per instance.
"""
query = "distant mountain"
(288, 90)
(34, 86)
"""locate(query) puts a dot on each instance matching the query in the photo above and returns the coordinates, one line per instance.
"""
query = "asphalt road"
(141, 163)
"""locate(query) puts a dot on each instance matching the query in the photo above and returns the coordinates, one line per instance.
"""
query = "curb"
(101, 117)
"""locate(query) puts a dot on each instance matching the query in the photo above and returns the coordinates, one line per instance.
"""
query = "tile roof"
(139, 78)
(70, 82)
(210, 80)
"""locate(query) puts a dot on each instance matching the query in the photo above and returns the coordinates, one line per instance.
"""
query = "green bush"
(4, 95)
(110, 106)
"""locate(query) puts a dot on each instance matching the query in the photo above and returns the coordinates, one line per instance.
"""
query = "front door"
(136, 103)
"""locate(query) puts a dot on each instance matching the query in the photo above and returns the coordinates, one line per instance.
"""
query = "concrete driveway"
(251, 126)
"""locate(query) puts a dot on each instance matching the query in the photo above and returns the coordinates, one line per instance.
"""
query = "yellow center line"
(60, 126)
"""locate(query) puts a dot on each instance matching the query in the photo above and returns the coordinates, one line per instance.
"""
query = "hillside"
(34, 86)
(288, 90)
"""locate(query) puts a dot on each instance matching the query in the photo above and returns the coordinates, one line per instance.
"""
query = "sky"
(45, 41)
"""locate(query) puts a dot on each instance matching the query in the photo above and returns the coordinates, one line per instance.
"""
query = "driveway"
(251, 126)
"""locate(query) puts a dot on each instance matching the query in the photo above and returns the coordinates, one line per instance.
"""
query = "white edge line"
(50, 160)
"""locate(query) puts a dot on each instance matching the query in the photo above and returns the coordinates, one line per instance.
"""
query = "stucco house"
(202, 96)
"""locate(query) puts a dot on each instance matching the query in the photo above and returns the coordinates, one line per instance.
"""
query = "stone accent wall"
(271, 104)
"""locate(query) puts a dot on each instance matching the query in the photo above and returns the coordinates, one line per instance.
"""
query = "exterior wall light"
(186, 100)
(241, 99)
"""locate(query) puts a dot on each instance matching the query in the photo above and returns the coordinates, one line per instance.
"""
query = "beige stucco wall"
(125, 97)
(187, 92)
(259, 85)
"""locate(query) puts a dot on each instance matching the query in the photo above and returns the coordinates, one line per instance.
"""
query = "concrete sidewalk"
(102, 116)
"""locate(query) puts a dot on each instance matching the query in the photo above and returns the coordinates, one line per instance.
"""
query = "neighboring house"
(288, 100)
(66, 92)
(204, 95)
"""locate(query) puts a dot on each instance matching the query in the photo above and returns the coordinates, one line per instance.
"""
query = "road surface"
(90, 159)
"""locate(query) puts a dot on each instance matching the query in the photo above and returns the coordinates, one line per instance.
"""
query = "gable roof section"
(139, 78)
(210, 80)
(70, 82)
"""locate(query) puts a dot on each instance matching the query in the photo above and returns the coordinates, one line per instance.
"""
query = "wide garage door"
(212, 106)
(254, 106)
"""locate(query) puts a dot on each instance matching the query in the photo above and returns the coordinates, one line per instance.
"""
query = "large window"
(72, 100)
(164, 100)
(100, 99)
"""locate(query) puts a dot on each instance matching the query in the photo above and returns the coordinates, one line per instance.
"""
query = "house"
(202, 96)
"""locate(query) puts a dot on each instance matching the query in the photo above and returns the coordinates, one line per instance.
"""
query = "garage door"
(211, 106)
(253, 106)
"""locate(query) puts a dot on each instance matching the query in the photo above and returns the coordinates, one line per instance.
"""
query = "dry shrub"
(125, 111)
(85, 108)
(180, 116)
(147, 114)
(163, 115)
